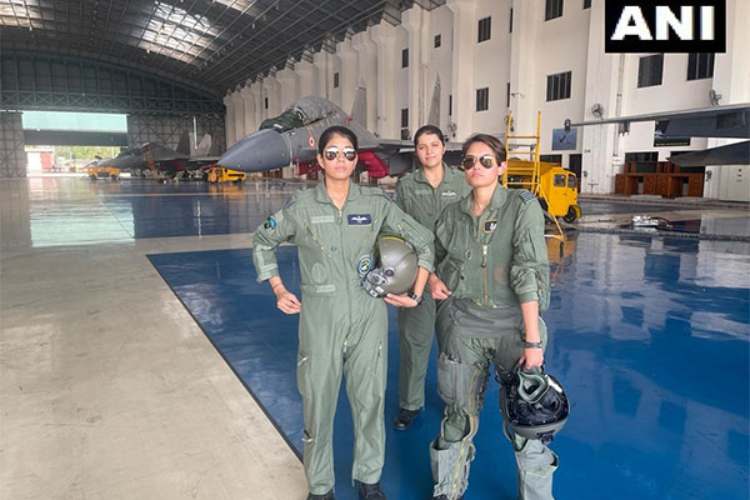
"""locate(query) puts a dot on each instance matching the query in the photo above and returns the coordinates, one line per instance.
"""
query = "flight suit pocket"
(447, 379)
(303, 375)
(450, 273)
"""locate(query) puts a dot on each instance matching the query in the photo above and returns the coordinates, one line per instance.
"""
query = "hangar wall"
(12, 153)
(510, 65)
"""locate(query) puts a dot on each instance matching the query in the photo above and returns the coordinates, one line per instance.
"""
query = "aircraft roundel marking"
(311, 141)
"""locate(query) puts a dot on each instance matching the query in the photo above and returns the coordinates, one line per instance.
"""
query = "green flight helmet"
(396, 269)
(533, 404)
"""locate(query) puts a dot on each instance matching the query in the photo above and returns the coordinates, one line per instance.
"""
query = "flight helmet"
(396, 268)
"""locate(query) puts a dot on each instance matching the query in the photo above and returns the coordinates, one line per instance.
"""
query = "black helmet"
(533, 403)
(396, 270)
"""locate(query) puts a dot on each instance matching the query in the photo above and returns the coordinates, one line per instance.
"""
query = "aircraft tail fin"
(183, 146)
(359, 107)
(204, 146)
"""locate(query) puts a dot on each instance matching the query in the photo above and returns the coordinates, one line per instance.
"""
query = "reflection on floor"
(649, 336)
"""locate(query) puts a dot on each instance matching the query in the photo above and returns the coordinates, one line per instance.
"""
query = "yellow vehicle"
(556, 187)
(218, 174)
(103, 172)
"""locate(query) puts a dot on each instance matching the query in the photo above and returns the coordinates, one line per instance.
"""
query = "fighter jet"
(291, 138)
(153, 156)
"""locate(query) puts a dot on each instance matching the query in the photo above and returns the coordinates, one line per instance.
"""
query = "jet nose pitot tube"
(262, 150)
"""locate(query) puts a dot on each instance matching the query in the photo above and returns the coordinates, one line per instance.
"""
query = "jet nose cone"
(262, 150)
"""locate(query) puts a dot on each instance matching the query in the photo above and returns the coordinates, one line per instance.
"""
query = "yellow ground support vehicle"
(103, 172)
(555, 186)
(218, 174)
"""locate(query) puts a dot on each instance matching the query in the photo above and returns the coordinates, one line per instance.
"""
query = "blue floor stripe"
(650, 340)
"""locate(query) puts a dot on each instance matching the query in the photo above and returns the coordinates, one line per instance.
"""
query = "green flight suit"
(492, 263)
(342, 329)
(416, 326)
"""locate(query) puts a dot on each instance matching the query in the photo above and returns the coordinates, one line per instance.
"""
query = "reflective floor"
(649, 337)
(116, 300)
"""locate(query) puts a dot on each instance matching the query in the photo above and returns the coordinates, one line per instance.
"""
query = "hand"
(400, 300)
(438, 288)
(533, 357)
(288, 302)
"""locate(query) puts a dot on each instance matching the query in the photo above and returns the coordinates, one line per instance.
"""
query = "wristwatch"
(415, 297)
(532, 345)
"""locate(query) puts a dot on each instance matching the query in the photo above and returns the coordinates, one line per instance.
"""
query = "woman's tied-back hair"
(495, 144)
(429, 129)
(328, 133)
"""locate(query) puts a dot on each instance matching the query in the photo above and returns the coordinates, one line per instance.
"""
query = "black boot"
(405, 418)
(369, 491)
(326, 496)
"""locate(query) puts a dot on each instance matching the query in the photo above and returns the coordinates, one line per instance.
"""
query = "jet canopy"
(305, 111)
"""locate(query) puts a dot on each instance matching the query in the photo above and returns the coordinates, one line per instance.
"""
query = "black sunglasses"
(468, 162)
(332, 153)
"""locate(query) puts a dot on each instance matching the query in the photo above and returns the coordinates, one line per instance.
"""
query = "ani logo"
(665, 26)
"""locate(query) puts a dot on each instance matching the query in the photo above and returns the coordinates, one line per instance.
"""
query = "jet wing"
(737, 153)
(731, 121)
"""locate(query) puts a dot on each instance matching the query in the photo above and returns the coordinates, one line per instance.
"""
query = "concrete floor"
(109, 390)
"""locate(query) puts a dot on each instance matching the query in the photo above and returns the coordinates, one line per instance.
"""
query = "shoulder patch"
(526, 196)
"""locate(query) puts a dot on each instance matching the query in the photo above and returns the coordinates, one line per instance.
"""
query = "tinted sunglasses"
(332, 153)
(468, 162)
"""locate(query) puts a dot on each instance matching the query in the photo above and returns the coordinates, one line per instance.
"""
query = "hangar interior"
(140, 358)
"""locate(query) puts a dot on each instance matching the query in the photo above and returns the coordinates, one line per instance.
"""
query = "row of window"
(650, 68)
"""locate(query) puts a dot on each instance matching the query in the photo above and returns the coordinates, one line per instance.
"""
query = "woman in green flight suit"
(493, 281)
(342, 329)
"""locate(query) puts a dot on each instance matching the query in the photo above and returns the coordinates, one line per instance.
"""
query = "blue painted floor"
(649, 337)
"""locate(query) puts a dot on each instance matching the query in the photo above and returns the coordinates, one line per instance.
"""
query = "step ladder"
(523, 165)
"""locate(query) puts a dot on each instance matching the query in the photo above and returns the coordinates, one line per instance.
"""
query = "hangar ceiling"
(212, 44)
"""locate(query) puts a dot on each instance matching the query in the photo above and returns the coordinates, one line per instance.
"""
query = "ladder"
(523, 165)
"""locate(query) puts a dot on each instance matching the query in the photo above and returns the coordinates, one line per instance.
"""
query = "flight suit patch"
(322, 219)
(270, 223)
(359, 219)
(364, 265)
(526, 196)
(490, 226)
(449, 194)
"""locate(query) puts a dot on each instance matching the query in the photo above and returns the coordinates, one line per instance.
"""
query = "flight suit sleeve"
(529, 272)
(400, 193)
(276, 229)
(400, 223)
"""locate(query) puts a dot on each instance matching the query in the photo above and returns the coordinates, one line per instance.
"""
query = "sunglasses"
(331, 154)
(468, 162)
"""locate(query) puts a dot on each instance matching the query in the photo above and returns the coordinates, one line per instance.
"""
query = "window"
(450, 105)
(572, 181)
(510, 23)
(485, 29)
(483, 99)
(265, 102)
(700, 66)
(438, 41)
(559, 180)
(553, 9)
(556, 159)
(405, 124)
(507, 95)
(649, 70)
(558, 86)
(586, 4)
(336, 80)
(405, 58)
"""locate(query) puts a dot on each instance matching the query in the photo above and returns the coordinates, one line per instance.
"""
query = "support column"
(308, 76)
(387, 119)
(417, 23)
(324, 65)
(348, 73)
(288, 85)
(256, 90)
(272, 90)
(229, 119)
(12, 146)
(732, 82)
(239, 115)
(368, 71)
(250, 125)
(462, 81)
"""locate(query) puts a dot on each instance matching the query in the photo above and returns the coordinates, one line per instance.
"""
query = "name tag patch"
(359, 219)
(490, 226)
(449, 193)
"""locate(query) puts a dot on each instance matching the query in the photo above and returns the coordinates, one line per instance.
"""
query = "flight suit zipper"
(485, 273)
(341, 249)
